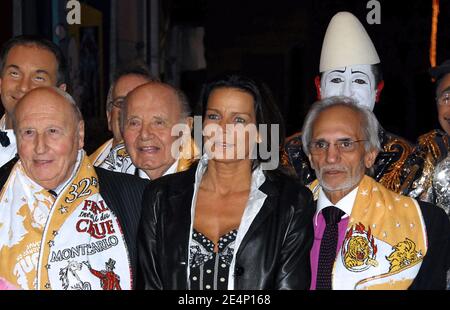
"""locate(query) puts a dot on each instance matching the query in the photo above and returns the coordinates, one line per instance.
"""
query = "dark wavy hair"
(266, 109)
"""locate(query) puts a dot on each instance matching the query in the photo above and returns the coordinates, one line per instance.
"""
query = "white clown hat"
(346, 43)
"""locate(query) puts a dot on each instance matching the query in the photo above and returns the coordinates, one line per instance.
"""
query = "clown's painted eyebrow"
(340, 71)
(360, 72)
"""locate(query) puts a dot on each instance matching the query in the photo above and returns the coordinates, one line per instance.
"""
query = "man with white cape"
(63, 223)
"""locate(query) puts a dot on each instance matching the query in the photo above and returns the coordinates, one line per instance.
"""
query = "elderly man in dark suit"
(61, 219)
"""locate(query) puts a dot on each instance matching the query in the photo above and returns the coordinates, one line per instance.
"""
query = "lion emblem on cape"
(404, 255)
(359, 249)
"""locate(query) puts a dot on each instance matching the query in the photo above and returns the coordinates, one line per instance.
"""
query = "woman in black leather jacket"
(227, 223)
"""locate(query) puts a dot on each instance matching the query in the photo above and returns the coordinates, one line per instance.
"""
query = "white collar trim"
(255, 202)
(345, 204)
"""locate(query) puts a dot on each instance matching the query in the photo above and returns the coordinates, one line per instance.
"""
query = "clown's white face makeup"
(357, 82)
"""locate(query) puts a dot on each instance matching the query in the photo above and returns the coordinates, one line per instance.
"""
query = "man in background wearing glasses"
(125, 80)
(432, 147)
(442, 74)
(366, 236)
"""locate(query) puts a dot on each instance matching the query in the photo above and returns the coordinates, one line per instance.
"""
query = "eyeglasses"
(444, 98)
(118, 102)
(344, 146)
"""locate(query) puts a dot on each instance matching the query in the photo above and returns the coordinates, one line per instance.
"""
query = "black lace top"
(209, 270)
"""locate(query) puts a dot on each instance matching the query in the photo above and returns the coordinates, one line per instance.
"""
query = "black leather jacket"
(274, 253)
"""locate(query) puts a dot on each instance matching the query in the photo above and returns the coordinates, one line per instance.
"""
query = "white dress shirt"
(7, 152)
(172, 169)
(345, 204)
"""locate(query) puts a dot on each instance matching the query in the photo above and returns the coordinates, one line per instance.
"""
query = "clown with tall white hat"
(347, 62)
(350, 66)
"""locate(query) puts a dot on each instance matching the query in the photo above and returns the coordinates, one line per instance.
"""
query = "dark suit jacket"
(433, 272)
(274, 253)
(121, 192)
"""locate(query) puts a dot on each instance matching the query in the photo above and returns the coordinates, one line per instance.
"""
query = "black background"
(280, 42)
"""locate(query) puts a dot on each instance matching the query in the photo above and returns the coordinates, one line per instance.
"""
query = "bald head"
(164, 93)
(49, 132)
(56, 94)
(148, 116)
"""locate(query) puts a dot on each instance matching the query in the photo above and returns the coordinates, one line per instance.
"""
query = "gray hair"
(369, 128)
(185, 108)
(139, 70)
(66, 96)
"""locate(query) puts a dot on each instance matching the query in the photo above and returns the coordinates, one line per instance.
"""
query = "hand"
(5, 285)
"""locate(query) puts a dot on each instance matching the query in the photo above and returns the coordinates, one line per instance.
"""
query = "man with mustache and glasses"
(350, 66)
(366, 236)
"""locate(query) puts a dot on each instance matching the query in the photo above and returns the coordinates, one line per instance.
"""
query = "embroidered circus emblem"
(118, 158)
(122, 154)
(359, 249)
(70, 278)
(404, 255)
(109, 280)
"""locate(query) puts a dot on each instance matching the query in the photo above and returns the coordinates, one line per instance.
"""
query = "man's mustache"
(333, 168)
